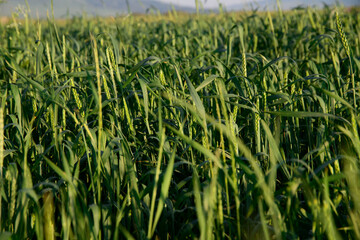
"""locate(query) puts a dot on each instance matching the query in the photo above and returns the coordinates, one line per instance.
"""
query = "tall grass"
(237, 125)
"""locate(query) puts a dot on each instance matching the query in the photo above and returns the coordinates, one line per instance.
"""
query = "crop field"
(240, 125)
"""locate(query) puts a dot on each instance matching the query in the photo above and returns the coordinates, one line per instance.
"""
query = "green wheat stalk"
(347, 50)
(1, 160)
(100, 116)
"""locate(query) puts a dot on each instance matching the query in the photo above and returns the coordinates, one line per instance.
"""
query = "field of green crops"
(230, 126)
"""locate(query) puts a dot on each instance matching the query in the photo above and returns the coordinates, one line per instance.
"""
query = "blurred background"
(66, 8)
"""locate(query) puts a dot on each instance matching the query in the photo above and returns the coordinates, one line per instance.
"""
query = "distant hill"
(63, 8)
(289, 4)
(136, 5)
(319, 3)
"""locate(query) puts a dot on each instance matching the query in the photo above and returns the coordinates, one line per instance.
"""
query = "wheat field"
(236, 125)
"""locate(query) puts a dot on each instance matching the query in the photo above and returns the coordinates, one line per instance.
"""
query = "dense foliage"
(236, 125)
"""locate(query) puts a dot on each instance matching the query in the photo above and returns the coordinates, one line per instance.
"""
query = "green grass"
(236, 125)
